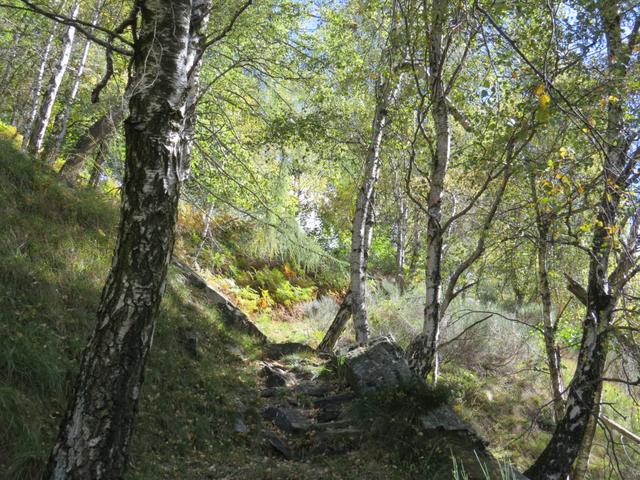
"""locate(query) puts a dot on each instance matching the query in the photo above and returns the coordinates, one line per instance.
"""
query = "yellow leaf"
(539, 90)
(563, 152)
(545, 100)
(613, 99)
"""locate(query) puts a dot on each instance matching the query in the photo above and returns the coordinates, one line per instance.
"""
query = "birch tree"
(430, 64)
(386, 91)
(606, 278)
(550, 326)
(97, 133)
(167, 50)
(36, 90)
(63, 120)
(41, 122)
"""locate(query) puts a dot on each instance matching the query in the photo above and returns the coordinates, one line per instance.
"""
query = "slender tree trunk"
(386, 91)
(415, 253)
(205, 231)
(63, 121)
(339, 323)
(562, 450)
(581, 465)
(98, 162)
(337, 327)
(363, 204)
(97, 133)
(400, 232)
(94, 437)
(422, 351)
(41, 123)
(36, 90)
(549, 326)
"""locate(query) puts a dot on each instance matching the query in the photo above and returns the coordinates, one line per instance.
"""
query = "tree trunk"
(41, 122)
(557, 458)
(337, 327)
(98, 161)
(94, 437)
(345, 311)
(363, 204)
(36, 90)
(386, 91)
(421, 353)
(582, 460)
(97, 133)
(63, 121)
(549, 326)
(400, 232)
(205, 232)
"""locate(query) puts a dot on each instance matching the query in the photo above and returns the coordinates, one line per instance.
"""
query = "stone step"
(289, 420)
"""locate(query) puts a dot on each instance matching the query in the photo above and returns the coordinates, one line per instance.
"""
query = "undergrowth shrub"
(394, 412)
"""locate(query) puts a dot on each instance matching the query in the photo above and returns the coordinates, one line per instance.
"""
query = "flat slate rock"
(280, 445)
(336, 441)
(329, 413)
(378, 364)
(276, 377)
(288, 420)
(313, 389)
(337, 399)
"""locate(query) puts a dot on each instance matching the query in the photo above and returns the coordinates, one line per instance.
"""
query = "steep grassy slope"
(55, 248)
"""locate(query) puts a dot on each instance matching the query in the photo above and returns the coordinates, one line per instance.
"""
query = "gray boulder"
(378, 364)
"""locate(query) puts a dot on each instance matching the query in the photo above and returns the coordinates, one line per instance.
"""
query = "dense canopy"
(462, 177)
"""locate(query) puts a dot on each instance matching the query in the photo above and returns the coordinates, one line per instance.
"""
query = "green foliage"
(280, 289)
(10, 134)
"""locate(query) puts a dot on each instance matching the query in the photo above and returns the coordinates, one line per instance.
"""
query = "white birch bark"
(567, 442)
(36, 137)
(94, 437)
(77, 82)
(422, 351)
(36, 91)
(549, 325)
(386, 92)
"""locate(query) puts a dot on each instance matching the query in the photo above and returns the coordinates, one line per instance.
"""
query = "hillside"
(55, 249)
(202, 377)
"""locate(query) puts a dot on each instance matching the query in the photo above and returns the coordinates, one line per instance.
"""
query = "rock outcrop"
(378, 364)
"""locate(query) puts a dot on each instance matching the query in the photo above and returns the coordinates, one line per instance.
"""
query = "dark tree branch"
(578, 290)
(80, 25)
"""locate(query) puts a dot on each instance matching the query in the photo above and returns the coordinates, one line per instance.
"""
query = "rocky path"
(308, 409)
(306, 406)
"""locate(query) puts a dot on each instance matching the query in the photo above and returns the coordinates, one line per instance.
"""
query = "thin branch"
(80, 25)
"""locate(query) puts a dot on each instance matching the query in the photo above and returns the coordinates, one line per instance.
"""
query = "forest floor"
(211, 406)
